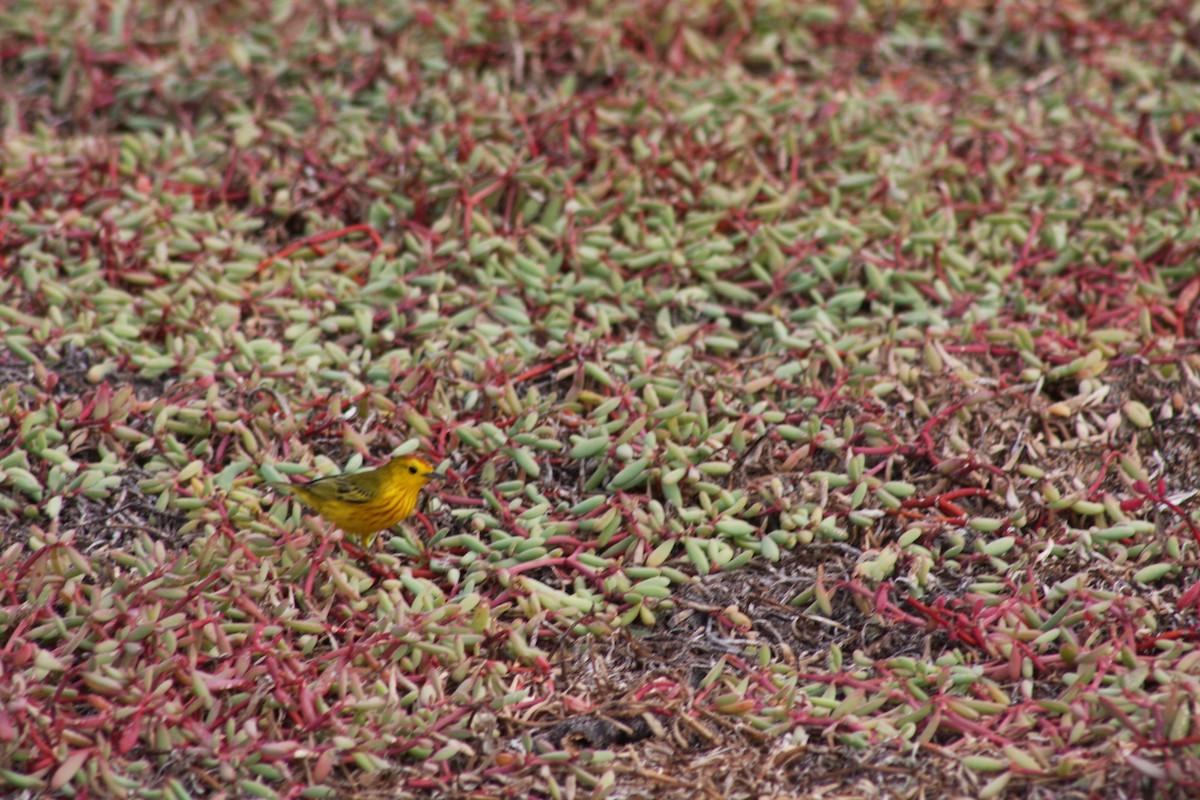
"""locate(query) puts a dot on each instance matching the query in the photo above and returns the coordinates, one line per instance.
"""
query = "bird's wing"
(337, 487)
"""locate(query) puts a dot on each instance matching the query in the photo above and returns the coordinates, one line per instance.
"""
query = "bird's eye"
(413, 470)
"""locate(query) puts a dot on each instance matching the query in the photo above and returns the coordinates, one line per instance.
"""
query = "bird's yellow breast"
(392, 505)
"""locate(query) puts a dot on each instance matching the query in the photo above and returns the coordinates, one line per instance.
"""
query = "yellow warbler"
(364, 503)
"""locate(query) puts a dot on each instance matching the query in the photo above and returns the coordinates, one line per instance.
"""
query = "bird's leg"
(423, 546)
(353, 548)
(409, 545)
(418, 543)
(376, 566)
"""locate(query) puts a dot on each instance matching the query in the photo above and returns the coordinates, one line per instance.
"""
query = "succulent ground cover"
(817, 385)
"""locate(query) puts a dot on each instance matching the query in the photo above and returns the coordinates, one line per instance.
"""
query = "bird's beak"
(435, 476)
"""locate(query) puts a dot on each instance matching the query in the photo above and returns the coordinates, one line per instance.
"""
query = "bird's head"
(413, 469)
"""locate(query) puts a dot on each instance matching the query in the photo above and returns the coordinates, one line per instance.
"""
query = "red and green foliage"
(818, 386)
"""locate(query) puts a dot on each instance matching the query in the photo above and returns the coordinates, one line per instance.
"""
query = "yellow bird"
(364, 503)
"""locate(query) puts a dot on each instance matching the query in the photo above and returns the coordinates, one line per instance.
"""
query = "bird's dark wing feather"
(339, 488)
